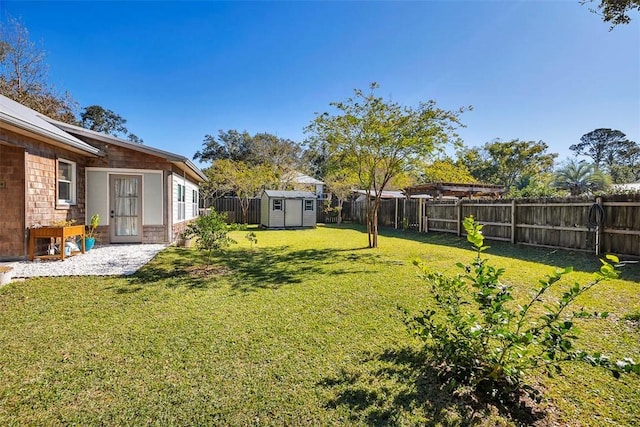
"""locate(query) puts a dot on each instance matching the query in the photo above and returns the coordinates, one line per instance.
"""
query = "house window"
(308, 205)
(194, 205)
(277, 204)
(181, 202)
(66, 182)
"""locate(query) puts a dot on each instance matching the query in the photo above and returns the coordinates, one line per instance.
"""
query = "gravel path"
(112, 260)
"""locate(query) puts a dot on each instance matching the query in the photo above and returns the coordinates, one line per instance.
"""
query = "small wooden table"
(54, 232)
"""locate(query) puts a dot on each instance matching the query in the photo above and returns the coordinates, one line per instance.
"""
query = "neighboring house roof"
(386, 194)
(300, 178)
(21, 118)
(629, 186)
(290, 194)
(180, 161)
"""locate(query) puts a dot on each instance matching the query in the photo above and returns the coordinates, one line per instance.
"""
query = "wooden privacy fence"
(604, 225)
(231, 207)
(608, 224)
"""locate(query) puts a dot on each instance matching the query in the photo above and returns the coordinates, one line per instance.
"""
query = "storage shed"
(288, 209)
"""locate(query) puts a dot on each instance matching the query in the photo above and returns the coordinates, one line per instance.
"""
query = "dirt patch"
(207, 270)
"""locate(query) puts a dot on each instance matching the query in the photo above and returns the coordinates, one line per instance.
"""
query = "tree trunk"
(368, 219)
(340, 202)
(244, 205)
(374, 222)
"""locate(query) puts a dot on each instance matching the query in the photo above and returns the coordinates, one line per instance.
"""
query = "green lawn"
(302, 330)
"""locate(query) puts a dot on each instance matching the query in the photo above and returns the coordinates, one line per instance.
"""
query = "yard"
(303, 328)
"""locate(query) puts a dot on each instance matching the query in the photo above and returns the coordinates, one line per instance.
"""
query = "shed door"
(293, 213)
(126, 203)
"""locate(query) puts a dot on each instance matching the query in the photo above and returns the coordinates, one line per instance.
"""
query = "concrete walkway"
(111, 260)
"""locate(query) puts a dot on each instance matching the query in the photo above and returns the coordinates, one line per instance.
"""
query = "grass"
(303, 329)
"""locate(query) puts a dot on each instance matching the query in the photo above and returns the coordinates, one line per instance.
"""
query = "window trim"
(308, 202)
(273, 206)
(182, 214)
(195, 203)
(73, 183)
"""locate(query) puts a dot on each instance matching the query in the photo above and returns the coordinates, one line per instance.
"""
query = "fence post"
(459, 217)
(599, 228)
(513, 221)
(419, 215)
(396, 216)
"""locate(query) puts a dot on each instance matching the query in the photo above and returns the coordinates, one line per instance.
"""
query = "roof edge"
(42, 132)
(110, 139)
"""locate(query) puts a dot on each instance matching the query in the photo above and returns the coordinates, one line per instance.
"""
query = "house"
(302, 182)
(52, 171)
(288, 209)
(628, 187)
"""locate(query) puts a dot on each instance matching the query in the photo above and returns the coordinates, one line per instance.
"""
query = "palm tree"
(581, 177)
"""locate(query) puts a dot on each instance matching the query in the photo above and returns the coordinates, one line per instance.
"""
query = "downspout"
(24, 205)
(168, 178)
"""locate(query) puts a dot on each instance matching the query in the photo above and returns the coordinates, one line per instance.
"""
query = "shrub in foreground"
(481, 340)
(211, 231)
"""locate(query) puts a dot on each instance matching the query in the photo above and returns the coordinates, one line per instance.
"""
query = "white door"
(125, 225)
(293, 213)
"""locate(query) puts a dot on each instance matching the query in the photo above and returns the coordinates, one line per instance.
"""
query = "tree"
(446, 170)
(614, 11)
(316, 158)
(378, 140)
(503, 163)
(243, 179)
(612, 152)
(281, 154)
(262, 149)
(341, 183)
(580, 177)
(135, 139)
(229, 145)
(537, 186)
(24, 73)
(99, 119)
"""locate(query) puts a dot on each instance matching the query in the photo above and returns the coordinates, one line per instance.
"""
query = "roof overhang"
(41, 134)
(181, 162)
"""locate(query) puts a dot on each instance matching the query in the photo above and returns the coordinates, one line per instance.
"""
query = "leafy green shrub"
(211, 232)
(480, 340)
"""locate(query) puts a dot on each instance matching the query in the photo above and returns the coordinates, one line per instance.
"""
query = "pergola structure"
(451, 189)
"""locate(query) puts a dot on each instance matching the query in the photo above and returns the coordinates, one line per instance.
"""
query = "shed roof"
(290, 194)
(21, 118)
(180, 161)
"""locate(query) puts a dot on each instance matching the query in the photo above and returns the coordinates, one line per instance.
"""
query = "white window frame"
(195, 205)
(280, 203)
(182, 190)
(72, 183)
(308, 205)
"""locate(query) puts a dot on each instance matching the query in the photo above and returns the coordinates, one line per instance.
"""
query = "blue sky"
(534, 70)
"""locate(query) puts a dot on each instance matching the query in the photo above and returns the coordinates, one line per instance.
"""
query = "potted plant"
(91, 232)
(184, 239)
